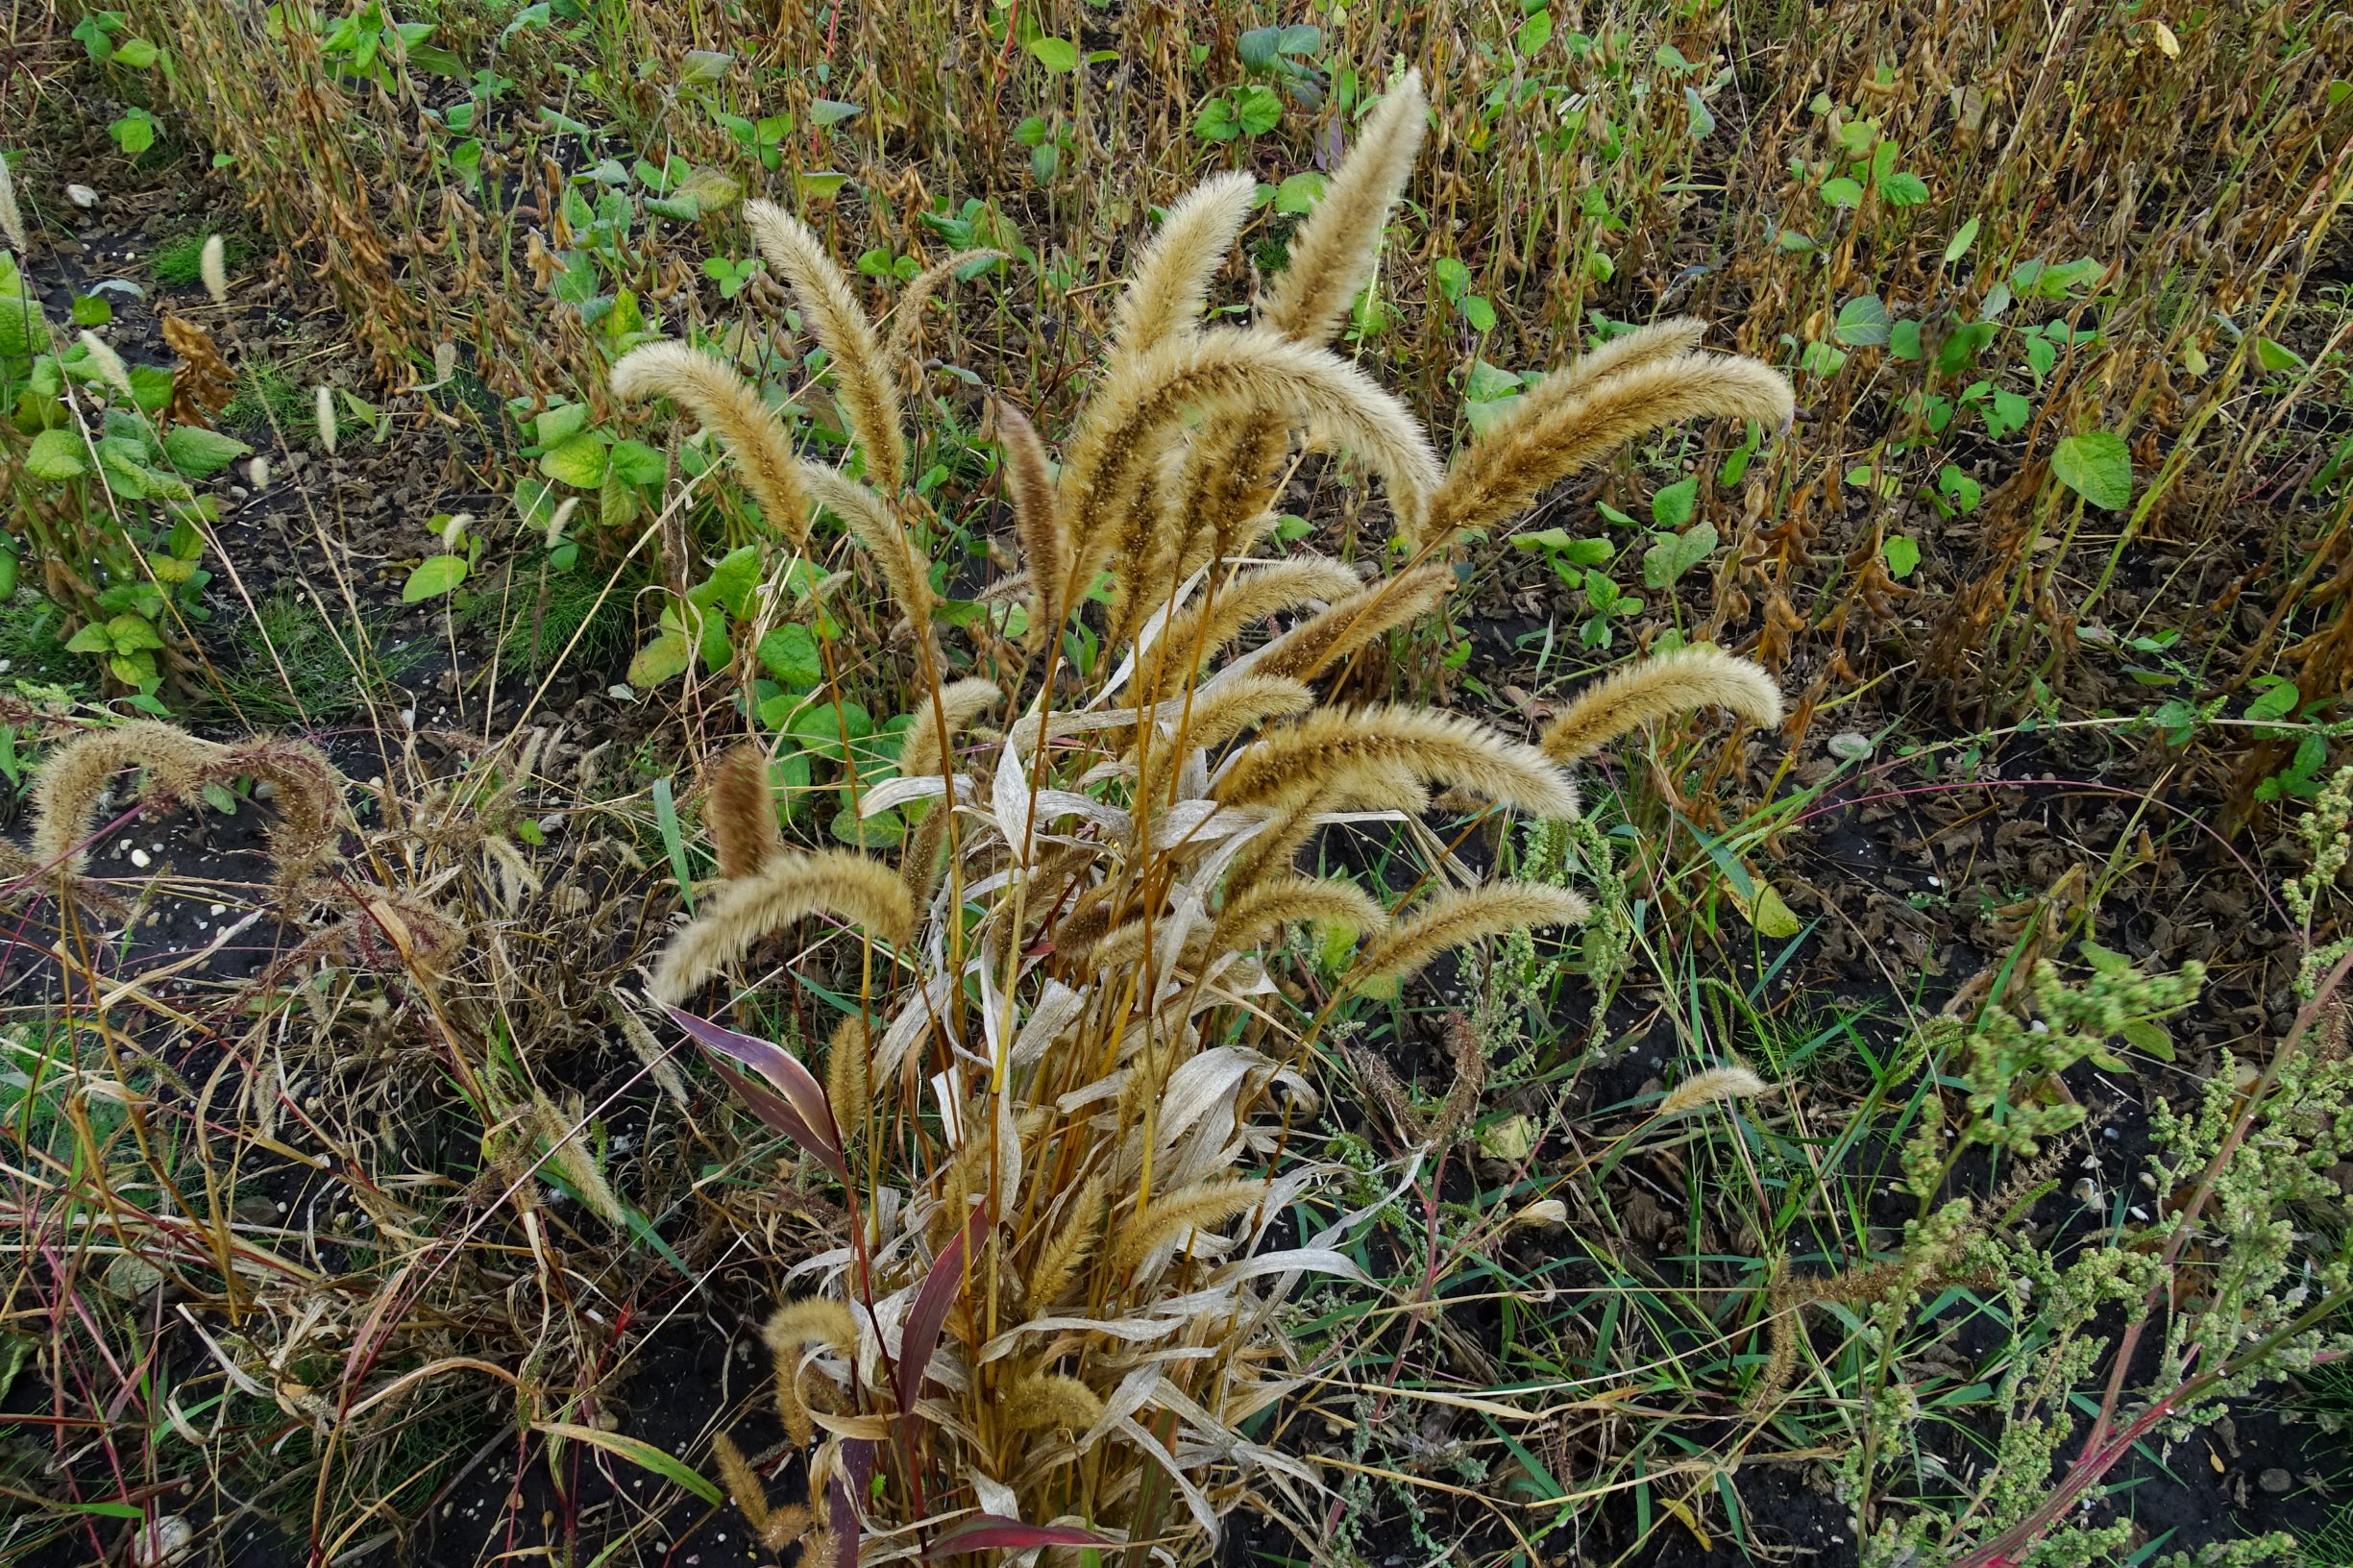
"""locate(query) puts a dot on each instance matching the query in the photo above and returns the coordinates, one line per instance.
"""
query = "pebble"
(82, 196)
(140, 858)
(1848, 745)
(2275, 1481)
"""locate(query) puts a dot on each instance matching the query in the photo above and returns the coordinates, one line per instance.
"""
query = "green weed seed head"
(2327, 832)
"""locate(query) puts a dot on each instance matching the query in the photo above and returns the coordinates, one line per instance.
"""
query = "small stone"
(1848, 745)
(167, 1542)
(141, 859)
(2275, 1481)
(82, 196)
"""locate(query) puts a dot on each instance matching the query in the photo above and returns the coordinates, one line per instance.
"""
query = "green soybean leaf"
(198, 453)
(1057, 55)
(433, 577)
(2096, 466)
(1667, 560)
(56, 454)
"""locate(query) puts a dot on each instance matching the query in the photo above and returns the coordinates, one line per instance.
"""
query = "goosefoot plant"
(1056, 1106)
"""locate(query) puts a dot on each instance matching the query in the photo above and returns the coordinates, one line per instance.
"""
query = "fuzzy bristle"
(1068, 1247)
(1543, 439)
(649, 1051)
(1138, 410)
(907, 310)
(1332, 255)
(1198, 1207)
(1677, 334)
(1671, 683)
(870, 395)
(212, 266)
(742, 815)
(11, 217)
(1438, 748)
(742, 1484)
(1224, 709)
(1296, 901)
(789, 1331)
(1029, 485)
(1315, 644)
(847, 1057)
(1710, 1087)
(68, 785)
(1169, 281)
(738, 914)
(885, 540)
(561, 1131)
(110, 364)
(1042, 1401)
(721, 399)
(1466, 915)
(1198, 632)
(926, 749)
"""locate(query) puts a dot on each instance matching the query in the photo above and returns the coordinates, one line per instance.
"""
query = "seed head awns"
(1710, 1087)
(212, 265)
(721, 399)
(1656, 688)
(11, 217)
(740, 913)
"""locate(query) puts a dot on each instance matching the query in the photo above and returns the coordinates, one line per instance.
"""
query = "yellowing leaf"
(1766, 912)
(1509, 1140)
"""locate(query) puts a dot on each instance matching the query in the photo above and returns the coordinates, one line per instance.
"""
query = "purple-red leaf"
(769, 1108)
(798, 1108)
(842, 1496)
(991, 1533)
(929, 1313)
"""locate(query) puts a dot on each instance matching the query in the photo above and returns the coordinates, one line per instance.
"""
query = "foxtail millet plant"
(1055, 1108)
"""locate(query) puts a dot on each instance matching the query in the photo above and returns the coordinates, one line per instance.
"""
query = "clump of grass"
(268, 401)
(33, 647)
(179, 260)
(1053, 1100)
(285, 664)
(537, 614)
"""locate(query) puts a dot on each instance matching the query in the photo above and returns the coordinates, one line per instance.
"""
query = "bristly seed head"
(1715, 1085)
(12, 220)
(110, 364)
(212, 265)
